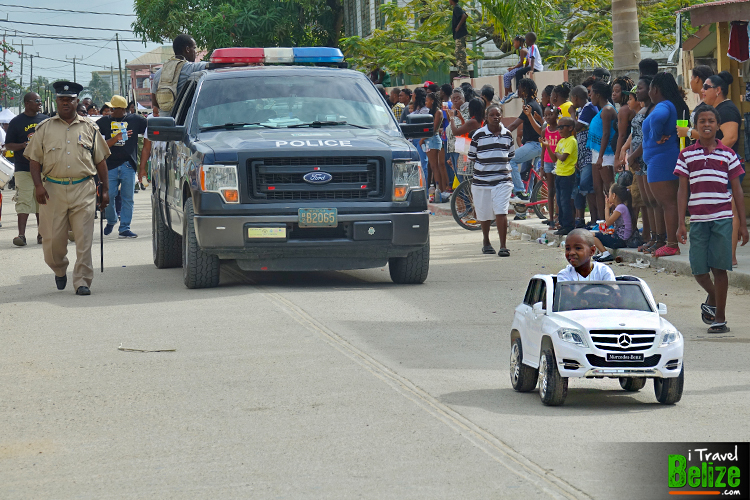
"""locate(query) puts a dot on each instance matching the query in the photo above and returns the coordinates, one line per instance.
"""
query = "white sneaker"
(515, 200)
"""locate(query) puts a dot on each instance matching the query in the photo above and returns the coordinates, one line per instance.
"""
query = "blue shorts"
(710, 246)
(610, 240)
(549, 167)
(586, 184)
(434, 142)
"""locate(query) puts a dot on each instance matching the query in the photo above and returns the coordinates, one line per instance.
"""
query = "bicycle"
(462, 202)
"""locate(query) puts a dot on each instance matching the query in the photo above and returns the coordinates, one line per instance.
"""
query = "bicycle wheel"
(539, 195)
(462, 207)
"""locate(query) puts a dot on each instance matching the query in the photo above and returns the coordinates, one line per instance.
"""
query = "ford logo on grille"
(317, 177)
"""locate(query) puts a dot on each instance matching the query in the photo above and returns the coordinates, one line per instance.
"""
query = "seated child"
(579, 247)
(618, 207)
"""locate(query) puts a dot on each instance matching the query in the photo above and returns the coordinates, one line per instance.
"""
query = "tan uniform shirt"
(64, 150)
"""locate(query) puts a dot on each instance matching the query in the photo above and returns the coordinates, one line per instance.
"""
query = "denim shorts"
(549, 167)
(710, 246)
(586, 186)
(434, 142)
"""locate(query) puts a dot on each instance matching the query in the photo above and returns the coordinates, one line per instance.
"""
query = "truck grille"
(353, 178)
(623, 340)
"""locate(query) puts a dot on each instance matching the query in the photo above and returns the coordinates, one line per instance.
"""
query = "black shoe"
(580, 224)
(591, 225)
(61, 282)
(519, 217)
(83, 290)
(523, 196)
(563, 231)
(608, 258)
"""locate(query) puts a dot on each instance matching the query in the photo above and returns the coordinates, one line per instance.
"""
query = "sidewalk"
(739, 277)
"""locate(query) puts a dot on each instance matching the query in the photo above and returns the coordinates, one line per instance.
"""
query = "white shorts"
(490, 201)
(608, 161)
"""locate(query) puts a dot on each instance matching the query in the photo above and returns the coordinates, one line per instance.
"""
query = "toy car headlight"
(573, 336)
(407, 177)
(669, 336)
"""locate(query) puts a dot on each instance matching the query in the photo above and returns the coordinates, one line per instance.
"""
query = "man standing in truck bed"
(170, 79)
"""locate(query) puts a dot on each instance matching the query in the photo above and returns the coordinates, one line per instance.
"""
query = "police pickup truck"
(292, 167)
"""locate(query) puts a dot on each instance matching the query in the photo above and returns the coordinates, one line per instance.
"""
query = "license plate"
(318, 217)
(266, 233)
(627, 357)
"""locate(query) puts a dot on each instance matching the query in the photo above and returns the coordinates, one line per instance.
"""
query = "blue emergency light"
(277, 55)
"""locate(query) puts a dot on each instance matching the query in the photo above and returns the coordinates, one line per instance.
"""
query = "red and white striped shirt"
(709, 174)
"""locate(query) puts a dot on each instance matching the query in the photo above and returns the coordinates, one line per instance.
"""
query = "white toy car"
(594, 329)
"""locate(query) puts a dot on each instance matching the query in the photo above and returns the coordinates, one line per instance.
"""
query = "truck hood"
(227, 145)
(613, 319)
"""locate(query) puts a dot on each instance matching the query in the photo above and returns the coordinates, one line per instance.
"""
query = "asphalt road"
(322, 385)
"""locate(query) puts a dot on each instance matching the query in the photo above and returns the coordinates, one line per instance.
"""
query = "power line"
(65, 26)
(25, 34)
(66, 10)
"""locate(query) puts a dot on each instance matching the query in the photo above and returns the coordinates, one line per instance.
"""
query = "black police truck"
(291, 167)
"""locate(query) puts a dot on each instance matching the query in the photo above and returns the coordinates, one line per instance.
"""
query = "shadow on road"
(580, 402)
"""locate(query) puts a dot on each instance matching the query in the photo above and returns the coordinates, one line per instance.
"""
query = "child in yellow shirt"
(566, 153)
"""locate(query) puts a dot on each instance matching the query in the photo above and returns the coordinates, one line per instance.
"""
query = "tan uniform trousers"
(69, 206)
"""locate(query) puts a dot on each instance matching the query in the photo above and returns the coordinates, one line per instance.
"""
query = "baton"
(101, 224)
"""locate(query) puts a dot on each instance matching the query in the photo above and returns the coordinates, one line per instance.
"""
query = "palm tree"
(625, 36)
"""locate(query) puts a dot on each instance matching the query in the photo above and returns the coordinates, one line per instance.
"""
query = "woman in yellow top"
(561, 99)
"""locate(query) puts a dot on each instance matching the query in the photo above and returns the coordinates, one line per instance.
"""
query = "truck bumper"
(659, 362)
(359, 241)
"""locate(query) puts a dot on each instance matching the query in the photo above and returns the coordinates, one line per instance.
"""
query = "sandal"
(646, 246)
(708, 312)
(719, 327)
(653, 248)
(503, 252)
(487, 249)
(667, 251)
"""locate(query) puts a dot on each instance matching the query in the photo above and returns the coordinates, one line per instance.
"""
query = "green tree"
(99, 89)
(417, 38)
(241, 23)
(657, 22)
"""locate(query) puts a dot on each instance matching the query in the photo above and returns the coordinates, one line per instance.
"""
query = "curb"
(677, 265)
(445, 209)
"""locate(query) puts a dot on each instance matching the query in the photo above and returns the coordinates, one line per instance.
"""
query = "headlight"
(573, 336)
(220, 179)
(669, 336)
(407, 177)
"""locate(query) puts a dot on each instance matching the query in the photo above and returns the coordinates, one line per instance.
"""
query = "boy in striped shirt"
(491, 186)
(704, 170)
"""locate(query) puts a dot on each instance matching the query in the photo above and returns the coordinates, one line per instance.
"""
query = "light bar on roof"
(270, 55)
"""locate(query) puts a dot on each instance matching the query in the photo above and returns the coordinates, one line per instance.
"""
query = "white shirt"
(600, 272)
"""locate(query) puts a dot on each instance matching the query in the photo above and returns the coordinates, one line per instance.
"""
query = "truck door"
(178, 153)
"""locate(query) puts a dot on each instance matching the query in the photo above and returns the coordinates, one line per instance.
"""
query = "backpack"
(166, 92)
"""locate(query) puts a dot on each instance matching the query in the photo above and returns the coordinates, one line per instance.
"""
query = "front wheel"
(553, 388)
(412, 269)
(199, 269)
(540, 195)
(668, 391)
(522, 377)
(166, 245)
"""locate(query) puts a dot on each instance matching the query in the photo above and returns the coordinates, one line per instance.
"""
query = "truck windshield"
(578, 295)
(281, 101)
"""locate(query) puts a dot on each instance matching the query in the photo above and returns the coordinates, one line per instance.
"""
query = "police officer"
(64, 154)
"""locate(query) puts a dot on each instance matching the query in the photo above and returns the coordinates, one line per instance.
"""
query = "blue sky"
(99, 53)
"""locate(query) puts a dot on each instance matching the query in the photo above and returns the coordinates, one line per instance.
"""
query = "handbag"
(635, 240)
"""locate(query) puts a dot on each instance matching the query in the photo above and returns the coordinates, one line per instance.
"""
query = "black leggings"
(521, 73)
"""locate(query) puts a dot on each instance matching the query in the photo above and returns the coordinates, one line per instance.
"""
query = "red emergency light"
(238, 55)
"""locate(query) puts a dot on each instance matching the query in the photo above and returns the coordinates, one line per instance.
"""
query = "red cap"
(428, 83)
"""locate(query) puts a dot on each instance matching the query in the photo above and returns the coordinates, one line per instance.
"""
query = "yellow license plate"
(267, 232)
(318, 217)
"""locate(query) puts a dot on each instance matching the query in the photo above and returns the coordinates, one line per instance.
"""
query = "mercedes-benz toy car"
(594, 329)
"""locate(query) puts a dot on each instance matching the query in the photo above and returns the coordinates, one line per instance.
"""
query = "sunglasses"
(35, 100)
(707, 86)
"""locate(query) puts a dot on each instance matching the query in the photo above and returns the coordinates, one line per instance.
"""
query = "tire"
(540, 193)
(199, 269)
(668, 391)
(412, 269)
(632, 384)
(523, 378)
(166, 245)
(553, 388)
(462, 207)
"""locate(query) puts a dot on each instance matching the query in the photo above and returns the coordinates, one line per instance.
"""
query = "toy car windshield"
(576, 296)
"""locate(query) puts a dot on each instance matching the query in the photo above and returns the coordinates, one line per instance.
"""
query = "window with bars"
(379, 16)
(350, 18)
(366, 12)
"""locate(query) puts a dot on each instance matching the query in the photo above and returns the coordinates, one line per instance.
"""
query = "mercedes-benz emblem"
(624, 340)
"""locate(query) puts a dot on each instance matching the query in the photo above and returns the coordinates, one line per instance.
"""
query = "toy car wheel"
(632, 384)
(552, 386)
(522, 377)
(668, 391)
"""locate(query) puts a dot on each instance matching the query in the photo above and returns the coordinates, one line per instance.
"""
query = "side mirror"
(538, 308)
(164, 129)
(662, 308)
(418, 126)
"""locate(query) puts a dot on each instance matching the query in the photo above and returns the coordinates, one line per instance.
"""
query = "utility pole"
(23, 45)
(74, 66)
(111, 79)
(127, 81)
(119, 62)
(5, 89)
(31, 72)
